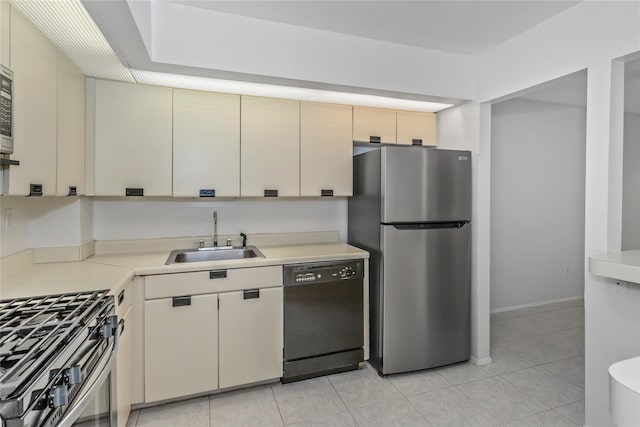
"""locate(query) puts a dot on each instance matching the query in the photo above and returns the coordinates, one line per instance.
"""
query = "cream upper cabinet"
(270, 149)
(206, 144)
(416, 126)
(71, 98)
(33, 61)
(251, 336)
(180, 346)
(374, 125)
(132, 150)
(326, 150)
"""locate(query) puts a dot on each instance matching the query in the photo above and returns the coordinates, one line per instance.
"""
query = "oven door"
(95, 405)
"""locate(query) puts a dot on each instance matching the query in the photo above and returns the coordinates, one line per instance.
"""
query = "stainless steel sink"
(212, 254)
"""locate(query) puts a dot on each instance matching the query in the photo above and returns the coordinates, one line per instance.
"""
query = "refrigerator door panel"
(426, 294)
(421, 184)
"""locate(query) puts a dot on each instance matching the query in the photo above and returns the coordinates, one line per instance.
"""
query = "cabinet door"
(132, 139)
(123, 370)
(181, 346)
(374, 122)
(33, 60)
(326, 149)
(206, 143)
(415, 125)
(71, 97)
(251, 334)
(270, 149)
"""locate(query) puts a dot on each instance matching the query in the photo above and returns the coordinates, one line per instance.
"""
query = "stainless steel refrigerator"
(411, 209)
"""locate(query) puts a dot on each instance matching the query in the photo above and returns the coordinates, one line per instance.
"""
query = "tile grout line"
(273, 393)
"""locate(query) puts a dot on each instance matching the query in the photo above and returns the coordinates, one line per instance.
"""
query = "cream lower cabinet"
(124, 370)
(181, 346)
(250, 336)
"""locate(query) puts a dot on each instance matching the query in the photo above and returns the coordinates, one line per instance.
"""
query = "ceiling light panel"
(68, 25)
(287, 92)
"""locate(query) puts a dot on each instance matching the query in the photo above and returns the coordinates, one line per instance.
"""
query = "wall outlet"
(619, 287)
(8, 219)
(565, 270)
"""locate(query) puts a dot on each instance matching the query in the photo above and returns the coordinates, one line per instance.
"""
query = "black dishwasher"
(323, 318)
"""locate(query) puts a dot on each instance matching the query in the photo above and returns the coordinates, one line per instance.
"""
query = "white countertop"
(64, 277)
(154, 263)
(115, 271)
(627, 373)
(623, 265)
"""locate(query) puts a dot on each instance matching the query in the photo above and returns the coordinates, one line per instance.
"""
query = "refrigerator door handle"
(428, 225)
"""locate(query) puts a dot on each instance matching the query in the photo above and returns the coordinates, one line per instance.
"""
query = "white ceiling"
(465, 27)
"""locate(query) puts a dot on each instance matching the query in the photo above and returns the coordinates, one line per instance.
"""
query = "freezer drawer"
(426, 296)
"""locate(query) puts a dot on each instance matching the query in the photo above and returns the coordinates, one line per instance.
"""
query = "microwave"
(6, 110)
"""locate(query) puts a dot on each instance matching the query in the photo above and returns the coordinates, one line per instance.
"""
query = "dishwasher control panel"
(299, 274)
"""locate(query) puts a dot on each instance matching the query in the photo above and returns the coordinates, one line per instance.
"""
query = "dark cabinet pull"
(182, 301)
(375, 139)
(416, 142)
(217, 274)
(251, 294)
(270, 193)
(326, 193)
(121, 297)
(208, 193)
(73, 190)
(35, 190)
(134, 192)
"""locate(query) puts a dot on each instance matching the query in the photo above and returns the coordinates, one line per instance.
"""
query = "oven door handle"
(92, 387)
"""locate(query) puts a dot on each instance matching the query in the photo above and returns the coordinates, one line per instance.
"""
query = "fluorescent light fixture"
(287, 92)
(68, 25)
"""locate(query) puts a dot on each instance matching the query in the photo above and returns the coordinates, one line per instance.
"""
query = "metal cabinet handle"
(134, 192)
(217, 274)
(326, 193)
(416, 141)
(35, 190)
(270, 193)
(121, 298)
(181, 301)
(251, 294)
(375, 139)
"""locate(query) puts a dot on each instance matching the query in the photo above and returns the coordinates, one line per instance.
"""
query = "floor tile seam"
(388, 401)
(560, 375)
(418, 410)
(530, 396)
(273, 393)
(553, 361)
(542, 412)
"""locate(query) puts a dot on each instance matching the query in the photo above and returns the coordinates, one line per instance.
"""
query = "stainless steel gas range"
(57, 360)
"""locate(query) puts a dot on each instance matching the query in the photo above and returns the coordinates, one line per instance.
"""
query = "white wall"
(589, 35)
(537, 202)
(146, 219)
(631, 183)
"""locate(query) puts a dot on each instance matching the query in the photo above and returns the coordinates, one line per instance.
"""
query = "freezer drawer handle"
(181, 301)
(217, 274)
(251, 294)
(416, 142)
(375, 139)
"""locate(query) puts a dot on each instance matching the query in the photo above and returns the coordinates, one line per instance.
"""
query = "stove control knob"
(58, 397)
(73, 375)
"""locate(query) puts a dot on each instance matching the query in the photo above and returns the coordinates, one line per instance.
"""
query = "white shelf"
(623, 265)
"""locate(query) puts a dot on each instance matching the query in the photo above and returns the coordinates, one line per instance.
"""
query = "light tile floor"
(536, 379)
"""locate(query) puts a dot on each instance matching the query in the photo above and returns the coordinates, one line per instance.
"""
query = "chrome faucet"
(215, 229)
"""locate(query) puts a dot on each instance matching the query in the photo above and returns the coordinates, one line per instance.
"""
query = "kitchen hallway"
(536, 379)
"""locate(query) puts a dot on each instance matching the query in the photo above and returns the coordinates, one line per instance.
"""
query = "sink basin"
(212, 254)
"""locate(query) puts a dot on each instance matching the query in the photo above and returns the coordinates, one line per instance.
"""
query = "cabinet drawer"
(123, 300)
(211, 281)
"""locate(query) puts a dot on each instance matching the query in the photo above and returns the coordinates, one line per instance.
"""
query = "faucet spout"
(215, 229)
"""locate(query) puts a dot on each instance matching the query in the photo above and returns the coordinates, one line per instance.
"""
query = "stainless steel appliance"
(411, 209)
(323, 318)
(6, 110)
(57, 357)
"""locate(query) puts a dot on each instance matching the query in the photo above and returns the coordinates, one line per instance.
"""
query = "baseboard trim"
(63, 253)
(480, 362)
(535, 304)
